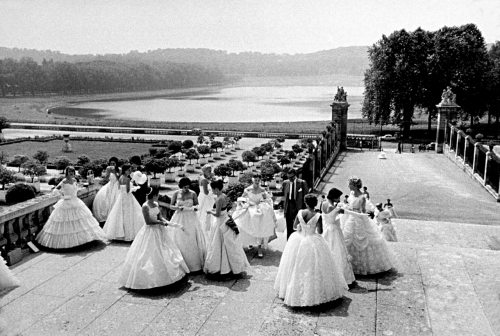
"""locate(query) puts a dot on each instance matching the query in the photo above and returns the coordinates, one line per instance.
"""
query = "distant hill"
(345, 60)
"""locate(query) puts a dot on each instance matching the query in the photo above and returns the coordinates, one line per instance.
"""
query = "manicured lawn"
(93, 149)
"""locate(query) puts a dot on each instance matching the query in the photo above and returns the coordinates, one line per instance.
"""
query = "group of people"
(323, 253)
(329, 247)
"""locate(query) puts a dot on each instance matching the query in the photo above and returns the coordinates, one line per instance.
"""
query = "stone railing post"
(466, 145)
(486, 163)
(447, 110)
(458, 143)
(476, 155)
(339, 115)
(452, 130)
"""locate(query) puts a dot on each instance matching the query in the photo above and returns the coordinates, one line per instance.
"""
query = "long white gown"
(125, 219)
(225, 253)
(255, 218)
(153, 259)
(308, 274)
(7, 279)
(335, 240)
(192, 242)
(206, 202)
(105, 199)
(383, 220)
(71, 223)
(370, 252)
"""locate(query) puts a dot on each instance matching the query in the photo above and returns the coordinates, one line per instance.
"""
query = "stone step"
(436, 233)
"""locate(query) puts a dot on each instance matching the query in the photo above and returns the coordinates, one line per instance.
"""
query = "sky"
(267, 26)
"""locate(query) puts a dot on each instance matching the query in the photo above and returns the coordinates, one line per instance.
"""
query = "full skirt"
(153, 260)
(369, 251)
(225, 253)
(256, 223)
(206, 202)
(104, 201)
(125, 219)
(388, 232)
(335, 240)
(308, 274)
(70, 224)
(7, 279)
(192, 242)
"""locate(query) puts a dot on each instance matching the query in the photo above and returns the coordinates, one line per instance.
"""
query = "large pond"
(238, 104)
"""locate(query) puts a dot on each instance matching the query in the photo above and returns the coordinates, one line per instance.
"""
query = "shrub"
(268, 147)
(234, 190)
(175, 146)
(187, 144)
(268, 169)
(61, 162)
(200, 139)
(55, 180)
(19, 193)
(162, 153)
(82, 160)
(246, 178)
(41, 156)
(32, 168)
(97, 167)
(4, 157)
(248, 156)
(6, 176)
(192, 154)
(203, 150)
(222, 170)
(156, 166)
(195, 186)
(153, 151)
(216, 145)
(259, 151)
(19, 160)
(297, 148)
(235, 165)
(171, 163)
(3, 123)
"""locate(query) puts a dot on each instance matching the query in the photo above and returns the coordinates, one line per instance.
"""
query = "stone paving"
(447, 280)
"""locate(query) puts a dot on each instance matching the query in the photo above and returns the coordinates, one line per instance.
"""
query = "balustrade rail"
(477, 159)
(20, 223)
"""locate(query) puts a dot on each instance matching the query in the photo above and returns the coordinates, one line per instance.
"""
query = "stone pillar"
(476, 154)
(447, 110)
(457, 144)
(486, 163)
(339, 115)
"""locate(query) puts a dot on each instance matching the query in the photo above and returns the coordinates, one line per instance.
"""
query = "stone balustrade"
(475, 158)
(21, 222)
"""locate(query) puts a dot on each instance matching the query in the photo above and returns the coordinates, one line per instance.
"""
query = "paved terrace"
(447, 281)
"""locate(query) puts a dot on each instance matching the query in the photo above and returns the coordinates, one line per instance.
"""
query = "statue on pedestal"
(67, 146)
(448, 97)
(341, 95)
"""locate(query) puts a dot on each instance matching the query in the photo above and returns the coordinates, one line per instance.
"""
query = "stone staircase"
(453, 271)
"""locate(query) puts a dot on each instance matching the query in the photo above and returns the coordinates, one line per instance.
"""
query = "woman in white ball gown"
(153, 259)
(71, 223)
(333, 234)
(225, 254)
(125, 219)
(255, 216)
(192, 242)
(370, 252)
(206, 199)
(308, 274)
(7, 279)
(107, 195)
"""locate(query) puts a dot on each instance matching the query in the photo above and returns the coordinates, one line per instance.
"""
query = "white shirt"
(294, 183)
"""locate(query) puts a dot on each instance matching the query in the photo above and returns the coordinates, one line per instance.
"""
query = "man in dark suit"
(294, 190)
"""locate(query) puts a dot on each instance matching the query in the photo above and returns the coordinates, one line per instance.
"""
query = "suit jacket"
(300, 192)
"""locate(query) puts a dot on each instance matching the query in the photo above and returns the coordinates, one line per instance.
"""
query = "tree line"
(408, 72)
(26, 76)
(344, 60)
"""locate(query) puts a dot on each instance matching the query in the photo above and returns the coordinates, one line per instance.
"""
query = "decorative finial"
(341, 95)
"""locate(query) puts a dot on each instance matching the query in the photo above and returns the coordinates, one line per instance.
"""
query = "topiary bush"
(234, 190)
(55, 180)
(19, 193)
(6, 176)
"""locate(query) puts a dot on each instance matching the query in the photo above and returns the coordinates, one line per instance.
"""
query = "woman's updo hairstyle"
(185, 181)
(125, 167)
(69, 169)
(217, 184)
(355, 181)
(311, 200)
(334, 194)
(152, 192)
